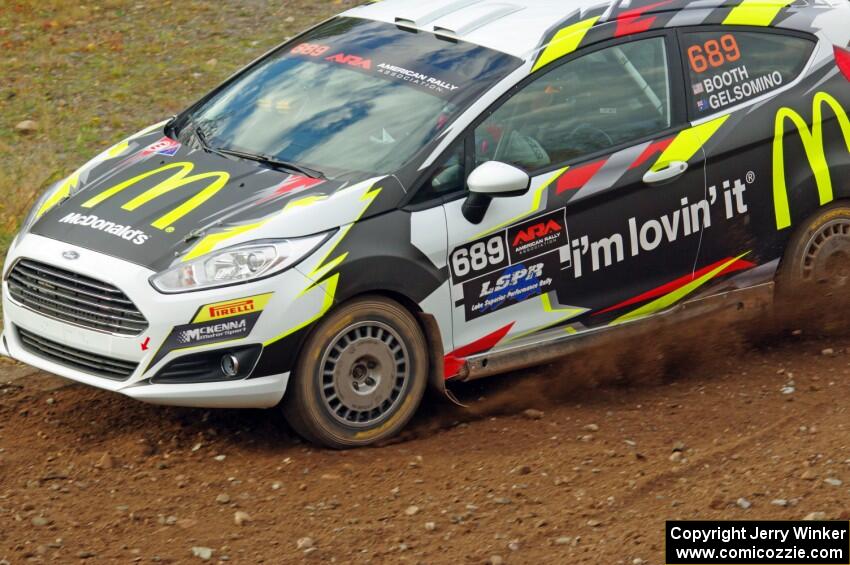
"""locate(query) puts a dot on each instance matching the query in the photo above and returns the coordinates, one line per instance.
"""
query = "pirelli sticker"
(215, 323)
(232, 308)
(512, 265)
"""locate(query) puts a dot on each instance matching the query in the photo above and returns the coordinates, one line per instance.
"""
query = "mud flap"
(436, 374)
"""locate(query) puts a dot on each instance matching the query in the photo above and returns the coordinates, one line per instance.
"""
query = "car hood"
(153, 201)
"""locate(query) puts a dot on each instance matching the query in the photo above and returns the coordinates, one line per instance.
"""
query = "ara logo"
(351, 60)
(536, 232)
(538, 235)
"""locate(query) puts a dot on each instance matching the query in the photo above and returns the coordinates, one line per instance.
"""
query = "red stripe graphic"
(632, 21)
(842, 59)
(738, 265)
(654, 149)
(453, 362)
(577, 177)
(292, 184)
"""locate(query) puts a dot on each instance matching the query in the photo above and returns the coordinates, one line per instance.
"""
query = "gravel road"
(571, 463)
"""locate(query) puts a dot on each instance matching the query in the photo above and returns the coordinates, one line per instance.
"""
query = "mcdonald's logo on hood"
(180, 177)
(170, 203)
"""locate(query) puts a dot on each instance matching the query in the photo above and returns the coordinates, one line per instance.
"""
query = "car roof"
(523, 27)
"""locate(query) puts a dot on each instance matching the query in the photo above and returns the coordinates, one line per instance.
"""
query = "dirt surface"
(614, 445)
(588, 475)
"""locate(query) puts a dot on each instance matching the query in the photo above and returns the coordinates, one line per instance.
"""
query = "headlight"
(236, 265)
(38, 208)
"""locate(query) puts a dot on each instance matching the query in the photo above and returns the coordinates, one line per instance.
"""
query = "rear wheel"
(818, 256)
(360, 377)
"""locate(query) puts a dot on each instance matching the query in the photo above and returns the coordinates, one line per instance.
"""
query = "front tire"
(360, 376)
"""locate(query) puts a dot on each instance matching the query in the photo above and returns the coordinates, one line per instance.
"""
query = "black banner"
(758, 543)
(205, 333)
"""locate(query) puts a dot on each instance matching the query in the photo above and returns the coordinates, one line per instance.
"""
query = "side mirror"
(492, 180)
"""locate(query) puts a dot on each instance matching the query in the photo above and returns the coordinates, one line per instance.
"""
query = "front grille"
(90, 363)
(74, 298)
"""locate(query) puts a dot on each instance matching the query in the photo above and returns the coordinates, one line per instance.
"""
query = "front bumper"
(164, 313)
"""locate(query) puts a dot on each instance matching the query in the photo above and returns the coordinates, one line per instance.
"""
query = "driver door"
(610, 228)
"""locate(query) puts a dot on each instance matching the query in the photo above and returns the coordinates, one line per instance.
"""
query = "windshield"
(353, 98)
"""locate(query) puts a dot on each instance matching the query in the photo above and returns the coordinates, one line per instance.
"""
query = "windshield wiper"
(202, 139)
(270, 161)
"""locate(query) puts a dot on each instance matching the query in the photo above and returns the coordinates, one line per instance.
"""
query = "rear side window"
(728, 68)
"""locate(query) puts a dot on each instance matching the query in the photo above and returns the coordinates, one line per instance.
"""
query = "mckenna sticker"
(205, 333)
(210, 332)
(129, 233)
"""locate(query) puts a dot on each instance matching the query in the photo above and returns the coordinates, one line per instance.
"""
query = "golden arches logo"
(180, 178)
(813, 144)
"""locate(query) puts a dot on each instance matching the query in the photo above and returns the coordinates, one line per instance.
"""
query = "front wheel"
(360, 377)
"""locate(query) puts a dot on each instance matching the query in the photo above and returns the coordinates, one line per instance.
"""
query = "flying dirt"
(578, 462)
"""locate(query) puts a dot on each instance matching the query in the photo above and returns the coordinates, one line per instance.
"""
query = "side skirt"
(743, 304)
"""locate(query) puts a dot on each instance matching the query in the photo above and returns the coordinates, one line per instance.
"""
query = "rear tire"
(817, 258)
(360, 376)
(814, 276)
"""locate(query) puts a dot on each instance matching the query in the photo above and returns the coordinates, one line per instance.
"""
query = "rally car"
(419, 193)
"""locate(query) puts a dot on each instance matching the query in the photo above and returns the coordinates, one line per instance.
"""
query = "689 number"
(714, 53)
(478, 258)
(311, 49)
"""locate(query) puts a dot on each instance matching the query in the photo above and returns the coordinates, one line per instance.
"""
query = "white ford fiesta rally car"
(421, 193)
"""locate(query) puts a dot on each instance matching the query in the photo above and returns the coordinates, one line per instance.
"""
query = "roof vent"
(474, 18)
(406, 23)
(421, 16)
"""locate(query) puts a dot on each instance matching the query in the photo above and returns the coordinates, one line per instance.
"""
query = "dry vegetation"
(90, 73)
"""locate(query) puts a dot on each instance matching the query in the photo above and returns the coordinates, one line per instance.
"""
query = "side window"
(603, 99)
(728, 68)
(449, 177)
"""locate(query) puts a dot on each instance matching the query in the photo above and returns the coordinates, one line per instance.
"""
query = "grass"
(91, 73)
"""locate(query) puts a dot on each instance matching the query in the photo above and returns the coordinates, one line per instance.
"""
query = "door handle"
(673, 170)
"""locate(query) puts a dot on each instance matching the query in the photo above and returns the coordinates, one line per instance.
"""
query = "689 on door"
(511, 265)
